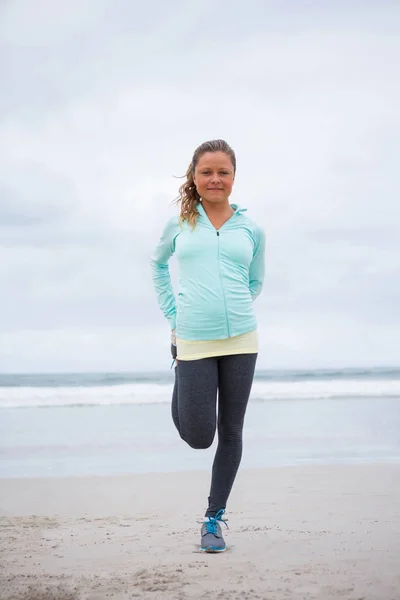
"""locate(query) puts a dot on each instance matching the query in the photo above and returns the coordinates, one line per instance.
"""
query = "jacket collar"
(238, 210)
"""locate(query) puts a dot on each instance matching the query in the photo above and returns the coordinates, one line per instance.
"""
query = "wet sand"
(325, 532)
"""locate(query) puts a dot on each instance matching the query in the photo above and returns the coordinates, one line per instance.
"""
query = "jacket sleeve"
(257, 265)
(160, 271)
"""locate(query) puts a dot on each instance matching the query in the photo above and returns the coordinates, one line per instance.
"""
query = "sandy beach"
(308, 532)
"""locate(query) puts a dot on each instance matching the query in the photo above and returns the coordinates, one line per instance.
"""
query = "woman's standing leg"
(235, 376)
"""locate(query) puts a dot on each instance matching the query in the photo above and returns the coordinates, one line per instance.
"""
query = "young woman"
(220, 254)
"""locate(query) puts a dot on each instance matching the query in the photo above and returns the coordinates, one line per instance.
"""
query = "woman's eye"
(209, 172)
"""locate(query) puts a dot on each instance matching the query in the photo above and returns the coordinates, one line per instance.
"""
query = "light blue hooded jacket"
(220, 273)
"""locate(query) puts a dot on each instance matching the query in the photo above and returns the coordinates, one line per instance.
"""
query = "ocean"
(119, 423)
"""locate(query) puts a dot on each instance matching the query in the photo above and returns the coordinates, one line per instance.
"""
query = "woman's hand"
(173, 344)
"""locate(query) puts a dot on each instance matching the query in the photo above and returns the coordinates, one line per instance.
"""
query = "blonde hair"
(188, 194)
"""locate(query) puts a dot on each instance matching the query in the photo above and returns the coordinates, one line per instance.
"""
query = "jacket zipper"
(222, 287)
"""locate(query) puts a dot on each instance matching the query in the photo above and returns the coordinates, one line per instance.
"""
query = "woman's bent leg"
(235, 375)
(194, 401)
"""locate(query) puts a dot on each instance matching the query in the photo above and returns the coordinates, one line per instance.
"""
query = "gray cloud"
(106, 101)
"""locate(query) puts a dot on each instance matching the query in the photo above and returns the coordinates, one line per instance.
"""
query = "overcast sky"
(102, 103)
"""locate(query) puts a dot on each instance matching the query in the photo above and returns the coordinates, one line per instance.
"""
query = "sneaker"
(211, 536)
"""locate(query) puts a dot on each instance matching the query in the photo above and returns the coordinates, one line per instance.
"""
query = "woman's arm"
(160, 271)
(257, 265)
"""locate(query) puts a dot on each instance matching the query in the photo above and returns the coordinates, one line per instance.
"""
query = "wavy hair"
(188, 194)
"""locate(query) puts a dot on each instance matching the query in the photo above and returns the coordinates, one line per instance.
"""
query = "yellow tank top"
(247, 343)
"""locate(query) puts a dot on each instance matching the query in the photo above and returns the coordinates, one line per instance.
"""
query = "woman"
(220, 254)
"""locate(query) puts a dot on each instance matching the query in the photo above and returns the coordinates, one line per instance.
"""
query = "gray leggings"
(194, 403)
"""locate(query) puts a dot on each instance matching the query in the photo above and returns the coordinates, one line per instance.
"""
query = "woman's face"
(213, 177)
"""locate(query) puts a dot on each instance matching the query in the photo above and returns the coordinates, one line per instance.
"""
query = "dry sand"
(295, 533)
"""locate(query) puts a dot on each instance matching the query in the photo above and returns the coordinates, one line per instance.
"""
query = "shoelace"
(211, 524)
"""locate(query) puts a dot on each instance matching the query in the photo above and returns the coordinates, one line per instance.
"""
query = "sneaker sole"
(212, 550)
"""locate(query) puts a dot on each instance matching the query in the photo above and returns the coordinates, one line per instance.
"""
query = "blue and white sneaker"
(211, 535)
